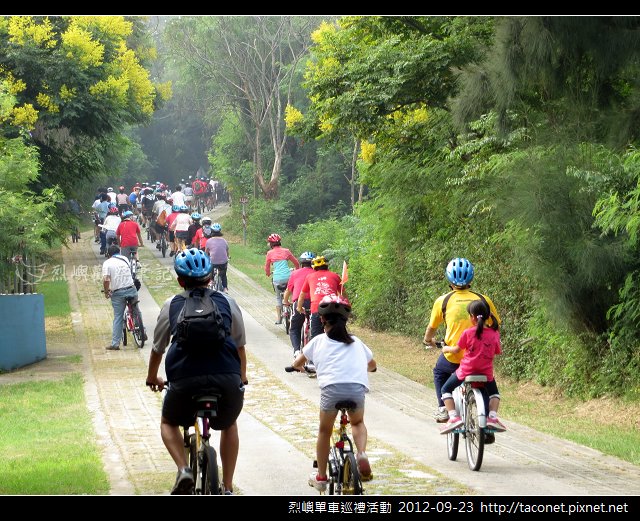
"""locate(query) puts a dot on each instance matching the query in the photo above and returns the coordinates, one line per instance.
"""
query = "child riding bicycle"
(341, 361)
(479, 344)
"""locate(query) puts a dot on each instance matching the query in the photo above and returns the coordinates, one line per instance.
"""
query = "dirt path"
(279, 420)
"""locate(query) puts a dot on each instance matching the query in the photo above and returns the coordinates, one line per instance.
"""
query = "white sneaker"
(441, 415)
(320, 486)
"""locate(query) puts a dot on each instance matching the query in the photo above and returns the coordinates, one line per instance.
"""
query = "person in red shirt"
(318, 284)
(294, 286)
(129, 236)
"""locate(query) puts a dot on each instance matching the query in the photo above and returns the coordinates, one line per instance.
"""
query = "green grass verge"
(56, 298)
(47, 444)
(248, 262)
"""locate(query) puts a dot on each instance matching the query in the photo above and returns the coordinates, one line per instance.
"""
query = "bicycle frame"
(469, 401)
(201, 455)
(343, 474)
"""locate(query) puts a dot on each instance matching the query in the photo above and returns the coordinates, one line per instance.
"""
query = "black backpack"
(200, 325)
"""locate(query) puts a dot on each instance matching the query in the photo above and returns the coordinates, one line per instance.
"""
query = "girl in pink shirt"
(480, 344)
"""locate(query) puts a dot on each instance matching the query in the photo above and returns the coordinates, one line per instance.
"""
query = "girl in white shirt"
(342, 362)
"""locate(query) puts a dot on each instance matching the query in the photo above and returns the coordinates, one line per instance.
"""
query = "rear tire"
(210, 477)
(163, 246)
(193, 463)
(351, 482)
(124, 328)
(474, 435)
(138, 327)
(287, 321)
(453, 441)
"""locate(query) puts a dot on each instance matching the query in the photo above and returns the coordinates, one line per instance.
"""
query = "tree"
(246, 64)
(79, 81)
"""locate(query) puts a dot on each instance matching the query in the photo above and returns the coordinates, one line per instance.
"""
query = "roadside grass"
(610, 426)
(47, 444)
(248, 262)
(56, 298)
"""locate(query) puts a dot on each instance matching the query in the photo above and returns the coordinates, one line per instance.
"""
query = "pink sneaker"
(495, 424)
(453, 424)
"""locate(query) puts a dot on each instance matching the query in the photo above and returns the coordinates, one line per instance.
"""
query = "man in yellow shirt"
(451, 308)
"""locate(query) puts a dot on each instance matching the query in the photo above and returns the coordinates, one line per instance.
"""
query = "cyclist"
(294, 286)
(188, 194)
(110, 225)
(175, 211)
(129, 235)
(451, 308)
(194, 227)
(112, 195)
(178, 196)
(147, 200)
(342, 361)
(198, 371)
(118, 285)
(217, 248)
(202, 234)
(279, 257)
(161, 212)
(180, 227)
(318, 284)
(122, 200)
(479, 345)
(102, 208)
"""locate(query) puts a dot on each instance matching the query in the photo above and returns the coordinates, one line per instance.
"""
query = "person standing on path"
(118, 286)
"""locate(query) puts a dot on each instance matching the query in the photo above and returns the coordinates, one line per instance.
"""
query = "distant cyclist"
(217, 248)
(280, 258)
(129, 235)
(291, 295)
(316, 285)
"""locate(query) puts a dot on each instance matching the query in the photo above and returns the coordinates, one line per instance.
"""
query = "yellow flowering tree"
(78, 81)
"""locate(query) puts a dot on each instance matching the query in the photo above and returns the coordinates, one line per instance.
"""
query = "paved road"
(278, 423)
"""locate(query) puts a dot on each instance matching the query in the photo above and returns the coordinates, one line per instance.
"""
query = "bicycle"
(132, 322)
(201, 455)
(306, 328)
(342, 467)
(216, 280)
(287, 311)
(469, 398)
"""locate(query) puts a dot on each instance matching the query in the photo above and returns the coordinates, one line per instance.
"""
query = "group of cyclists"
(340, 359)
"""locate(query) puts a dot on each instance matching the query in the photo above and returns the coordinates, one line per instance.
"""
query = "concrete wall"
(22, 337)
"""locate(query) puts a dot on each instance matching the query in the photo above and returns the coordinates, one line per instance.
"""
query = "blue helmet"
(459, 272)
(196, 216)
(307, 256)
(126, 214)
(175, 208)
(184, 208)
(216, 227)
(193, 263)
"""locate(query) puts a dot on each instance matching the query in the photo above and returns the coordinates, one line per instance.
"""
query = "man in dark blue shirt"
(197, 371)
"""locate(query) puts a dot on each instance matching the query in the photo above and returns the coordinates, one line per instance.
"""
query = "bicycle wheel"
(163, 246)
(286, 317)
(351, 483)
(210, 477)
(192, 460)
(306, 331)
(453, 440)
(125, 321)
(474, 437)
(138, 327)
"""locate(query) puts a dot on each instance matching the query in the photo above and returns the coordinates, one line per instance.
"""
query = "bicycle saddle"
(349, 405)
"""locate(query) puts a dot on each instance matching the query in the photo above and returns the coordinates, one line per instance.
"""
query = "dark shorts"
(179, 408)
(182, 235)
